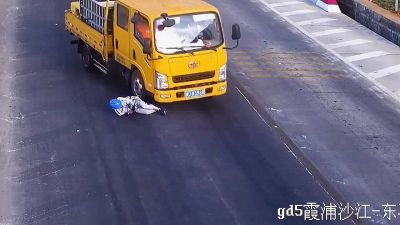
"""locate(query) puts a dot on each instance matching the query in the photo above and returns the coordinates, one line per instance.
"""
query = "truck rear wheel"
(137, 85)
(87, 58)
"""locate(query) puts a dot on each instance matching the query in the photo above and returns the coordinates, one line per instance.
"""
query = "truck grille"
(193, 77)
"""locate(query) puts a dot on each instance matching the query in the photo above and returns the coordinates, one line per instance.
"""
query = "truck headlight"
(161, 81)
(222, 73)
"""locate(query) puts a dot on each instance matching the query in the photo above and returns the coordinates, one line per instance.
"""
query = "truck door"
(142, 31)
(121, 34)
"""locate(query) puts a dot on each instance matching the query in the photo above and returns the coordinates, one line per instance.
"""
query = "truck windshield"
(190, 33)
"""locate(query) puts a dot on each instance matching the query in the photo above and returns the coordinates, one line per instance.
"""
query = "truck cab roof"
(154, 8)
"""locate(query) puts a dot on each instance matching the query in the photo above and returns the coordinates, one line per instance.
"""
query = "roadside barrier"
(328, 5)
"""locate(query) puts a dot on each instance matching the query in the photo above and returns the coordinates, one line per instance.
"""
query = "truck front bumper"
(179, 94)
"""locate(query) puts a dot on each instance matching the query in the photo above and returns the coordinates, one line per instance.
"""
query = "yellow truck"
(172, 50)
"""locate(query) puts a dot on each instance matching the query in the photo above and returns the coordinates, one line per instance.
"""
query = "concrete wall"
(371, 19)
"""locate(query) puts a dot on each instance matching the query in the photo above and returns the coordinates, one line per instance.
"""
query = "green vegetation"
(386, 4)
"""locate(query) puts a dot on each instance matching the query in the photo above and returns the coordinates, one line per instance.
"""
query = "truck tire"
(137, 85)
(126, 74)
(87, 58)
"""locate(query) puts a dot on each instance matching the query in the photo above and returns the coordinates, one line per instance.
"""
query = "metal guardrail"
(93, 13)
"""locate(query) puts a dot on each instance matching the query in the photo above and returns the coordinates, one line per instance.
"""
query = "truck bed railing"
(93, 13)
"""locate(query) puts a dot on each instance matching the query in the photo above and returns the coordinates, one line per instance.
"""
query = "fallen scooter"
(130, 104)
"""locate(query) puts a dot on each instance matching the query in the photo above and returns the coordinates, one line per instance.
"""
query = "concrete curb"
(371, 16)
(381, 88)
(300, 156)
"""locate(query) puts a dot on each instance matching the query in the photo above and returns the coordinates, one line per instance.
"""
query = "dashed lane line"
(330, 32)
(349, 43)
(385, 72)
(367, 55)
(370, 76)
(298, 12)
(315, 21)
(286, 3)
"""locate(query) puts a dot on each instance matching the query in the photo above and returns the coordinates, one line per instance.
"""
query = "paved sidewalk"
(370, 54)
(337, 123)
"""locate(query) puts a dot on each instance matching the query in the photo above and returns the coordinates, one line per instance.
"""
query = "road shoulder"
(339, 120)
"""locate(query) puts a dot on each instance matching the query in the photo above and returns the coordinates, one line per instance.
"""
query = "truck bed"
(98, 41)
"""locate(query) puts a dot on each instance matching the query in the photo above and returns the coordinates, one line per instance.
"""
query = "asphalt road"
(339, 120)
(67, 159)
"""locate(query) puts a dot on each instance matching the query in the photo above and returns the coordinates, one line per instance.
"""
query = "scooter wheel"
(163, 112)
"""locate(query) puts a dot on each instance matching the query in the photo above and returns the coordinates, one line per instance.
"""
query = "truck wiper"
(210, 48)
(202, 47)
(181, 49)
(178, 48)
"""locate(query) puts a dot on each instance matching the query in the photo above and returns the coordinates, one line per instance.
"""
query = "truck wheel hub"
(137, 86)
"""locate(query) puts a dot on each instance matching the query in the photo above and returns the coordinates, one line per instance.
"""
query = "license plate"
(195, 93)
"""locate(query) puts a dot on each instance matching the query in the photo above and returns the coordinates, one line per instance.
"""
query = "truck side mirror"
(168, 23)
(135, 18)
(147, 47)
(147, 50)
(236, 34)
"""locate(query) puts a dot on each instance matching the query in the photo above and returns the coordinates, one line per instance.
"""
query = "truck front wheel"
(137, 85)
(87, 58)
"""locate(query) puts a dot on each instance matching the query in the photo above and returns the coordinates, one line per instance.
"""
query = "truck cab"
(173, 50)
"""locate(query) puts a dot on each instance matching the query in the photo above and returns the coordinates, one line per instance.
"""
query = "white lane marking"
(385, 72)
(349, 43)
(285, 3)
(356, 68)
(329, 32)
(368, 76)
(222, 198)
(377, 92)
(298, 12)
(248, 101)
(287, 147)
(315, 21)
(367, 55)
